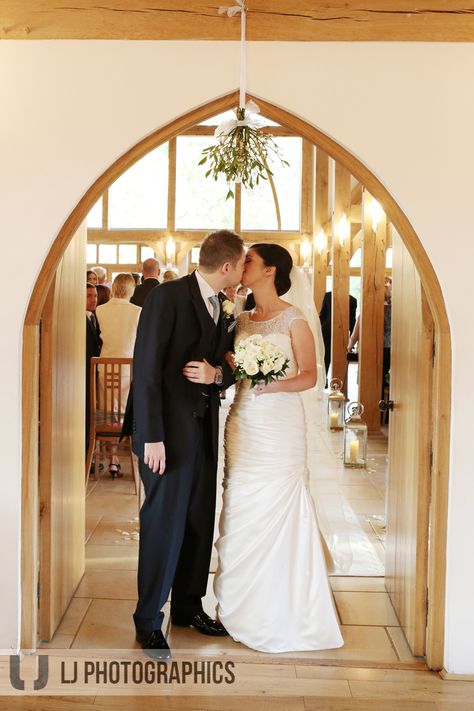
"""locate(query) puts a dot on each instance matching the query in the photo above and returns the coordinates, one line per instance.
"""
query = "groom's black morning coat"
(177, 517)
(175, 327)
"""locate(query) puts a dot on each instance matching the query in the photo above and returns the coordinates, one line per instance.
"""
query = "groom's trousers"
(177, 526)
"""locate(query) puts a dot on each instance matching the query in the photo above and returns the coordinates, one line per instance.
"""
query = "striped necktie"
(214, 300)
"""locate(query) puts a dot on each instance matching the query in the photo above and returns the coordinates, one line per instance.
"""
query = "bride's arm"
(302, 342)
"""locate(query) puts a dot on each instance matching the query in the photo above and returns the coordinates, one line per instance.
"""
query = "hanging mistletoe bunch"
(242, 150)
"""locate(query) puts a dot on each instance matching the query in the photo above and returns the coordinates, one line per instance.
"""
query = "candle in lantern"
(354, 451)
(334, 420)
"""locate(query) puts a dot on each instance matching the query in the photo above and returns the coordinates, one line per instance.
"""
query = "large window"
(139, 198)
(258, 204)
(200, 201)
(94, 218)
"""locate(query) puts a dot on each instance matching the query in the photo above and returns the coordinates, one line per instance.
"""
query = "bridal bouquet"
(259, 360)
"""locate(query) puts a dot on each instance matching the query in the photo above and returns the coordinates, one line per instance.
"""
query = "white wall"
(405, 109)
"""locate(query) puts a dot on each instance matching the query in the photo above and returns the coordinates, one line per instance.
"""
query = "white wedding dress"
(271, 585)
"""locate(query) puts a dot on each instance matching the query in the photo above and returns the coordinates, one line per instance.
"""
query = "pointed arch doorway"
(441, 382)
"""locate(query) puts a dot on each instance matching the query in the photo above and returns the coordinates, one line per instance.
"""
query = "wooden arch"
(442, 364)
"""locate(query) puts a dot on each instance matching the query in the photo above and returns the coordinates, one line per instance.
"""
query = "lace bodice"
(277, 330)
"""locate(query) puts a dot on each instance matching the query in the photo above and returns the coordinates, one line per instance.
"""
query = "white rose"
(228, 307)
(250, 366)
(266, 367)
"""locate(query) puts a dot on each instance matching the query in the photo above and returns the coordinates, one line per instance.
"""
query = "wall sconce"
(170, 250)
(377, 213)
(344, 229)
(321, 241)
(305, 251)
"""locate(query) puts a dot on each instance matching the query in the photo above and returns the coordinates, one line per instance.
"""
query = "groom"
(178, 366)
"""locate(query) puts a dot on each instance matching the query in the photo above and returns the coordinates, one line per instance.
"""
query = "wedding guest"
(93, 345)
(237, 299)
(101, 274)
(169, 275)
(325, 316)
(91, 277)
(249, 302)
(118, 321)
(354, 339)
(103, 294)
(151, 272)
(387, 332)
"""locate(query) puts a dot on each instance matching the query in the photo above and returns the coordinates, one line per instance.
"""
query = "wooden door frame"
(442, 363)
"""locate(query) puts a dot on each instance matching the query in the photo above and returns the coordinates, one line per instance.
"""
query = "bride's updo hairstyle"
(275, 256)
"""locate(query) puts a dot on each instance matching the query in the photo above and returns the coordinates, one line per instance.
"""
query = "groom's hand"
(199, 371)
(155, 456)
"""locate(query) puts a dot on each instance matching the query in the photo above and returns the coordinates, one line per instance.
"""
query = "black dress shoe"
(154, 644)
(201, 622)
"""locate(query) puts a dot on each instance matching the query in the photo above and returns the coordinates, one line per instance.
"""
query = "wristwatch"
(219, 375)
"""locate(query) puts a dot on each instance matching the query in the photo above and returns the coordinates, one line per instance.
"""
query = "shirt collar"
(204, 287)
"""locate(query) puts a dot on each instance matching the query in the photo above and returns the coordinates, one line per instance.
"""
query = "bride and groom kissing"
(271, 584)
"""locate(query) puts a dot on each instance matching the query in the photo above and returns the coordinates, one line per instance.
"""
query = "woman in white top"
(118, 321)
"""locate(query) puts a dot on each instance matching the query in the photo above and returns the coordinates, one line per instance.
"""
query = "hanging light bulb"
(305, 250)
(170, 250)
(344, 229)
(377, 213)
(321, 241)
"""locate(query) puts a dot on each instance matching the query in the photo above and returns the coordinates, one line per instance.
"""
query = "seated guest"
(103, 294)
(91, 277)
(93, 345)
(169, 275)
(118, 321)
(151, 272)
(136, 276)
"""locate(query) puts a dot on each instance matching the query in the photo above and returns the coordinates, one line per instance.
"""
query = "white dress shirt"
(206, 291)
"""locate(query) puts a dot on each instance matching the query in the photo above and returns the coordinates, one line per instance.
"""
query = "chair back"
(109, 394)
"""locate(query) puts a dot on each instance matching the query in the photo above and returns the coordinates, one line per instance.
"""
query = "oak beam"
(391, 20)
(320, 249)
(340, 273)
(372, 315)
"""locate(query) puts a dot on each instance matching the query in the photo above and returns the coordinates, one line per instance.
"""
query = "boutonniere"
(228, 309)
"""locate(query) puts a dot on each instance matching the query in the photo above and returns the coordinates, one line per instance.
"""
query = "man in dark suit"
(93, 345)
(325, 316)
(179, 364)
(151, 272)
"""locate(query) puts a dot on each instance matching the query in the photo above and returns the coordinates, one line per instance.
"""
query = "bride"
(271, 586)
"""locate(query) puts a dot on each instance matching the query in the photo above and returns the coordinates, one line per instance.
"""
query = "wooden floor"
(374, 669)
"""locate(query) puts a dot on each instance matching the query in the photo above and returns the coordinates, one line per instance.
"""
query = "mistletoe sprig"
(241, 153)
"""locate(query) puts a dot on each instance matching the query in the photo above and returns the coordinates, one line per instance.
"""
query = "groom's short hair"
(218, 248)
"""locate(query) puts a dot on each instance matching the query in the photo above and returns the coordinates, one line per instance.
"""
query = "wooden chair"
(107, 411)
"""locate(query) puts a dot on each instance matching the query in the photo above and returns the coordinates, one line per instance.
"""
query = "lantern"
(336, 403)
(355, 437)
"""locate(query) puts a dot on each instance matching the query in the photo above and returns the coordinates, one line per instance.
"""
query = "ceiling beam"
(281, 20)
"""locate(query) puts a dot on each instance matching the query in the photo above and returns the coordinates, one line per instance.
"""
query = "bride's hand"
(229, 356)
(262, 389)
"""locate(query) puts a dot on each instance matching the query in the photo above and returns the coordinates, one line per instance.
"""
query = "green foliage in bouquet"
(241, 155)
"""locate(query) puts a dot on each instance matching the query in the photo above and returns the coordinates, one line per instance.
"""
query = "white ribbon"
(230, 12)
(250, 119)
